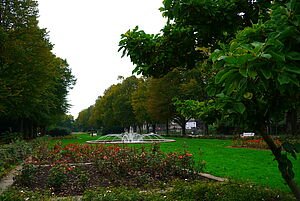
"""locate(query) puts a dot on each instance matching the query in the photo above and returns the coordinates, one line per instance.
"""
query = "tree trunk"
(154, 128)
(140, 129)
(22, 127)
(278, 157)
(291, 122)
(183, 130)
(205, 128)
(167, 127)
(147, 128)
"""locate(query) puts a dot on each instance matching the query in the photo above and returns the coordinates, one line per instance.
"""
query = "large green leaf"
(266, 72)
(227, 75)
(220, 74)
(243, 59)
(293, 55)
(257, 44)
(239, 107)
(278, 56)
(251, 72)
(283, 78)
(292, 69)
(231, 60)
(243, 71)
(268, 56)
(248, 95)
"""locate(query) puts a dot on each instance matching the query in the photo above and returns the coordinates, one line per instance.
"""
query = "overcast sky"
(87, 33)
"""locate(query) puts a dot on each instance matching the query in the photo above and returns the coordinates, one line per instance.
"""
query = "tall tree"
(34, 82)
(255, 77)
(139, 104)
(259, 77)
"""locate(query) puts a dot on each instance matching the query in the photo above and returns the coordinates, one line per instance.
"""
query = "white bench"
(247, 134)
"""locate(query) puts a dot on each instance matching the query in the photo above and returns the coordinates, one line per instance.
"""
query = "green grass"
(250, 165)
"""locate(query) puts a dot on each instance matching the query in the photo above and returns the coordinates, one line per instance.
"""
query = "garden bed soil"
(94, 179)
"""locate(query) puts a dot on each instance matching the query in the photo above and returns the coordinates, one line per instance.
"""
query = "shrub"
(59, 131)
(15, 194)
(228, 191)
(27, 175)
(14, 153)
(120, 193)
(57, 177)
(10, 137)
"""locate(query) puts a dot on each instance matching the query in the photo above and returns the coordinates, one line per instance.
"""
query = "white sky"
(87, 33)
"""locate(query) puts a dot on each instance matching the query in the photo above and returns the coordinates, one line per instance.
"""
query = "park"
(210, 111)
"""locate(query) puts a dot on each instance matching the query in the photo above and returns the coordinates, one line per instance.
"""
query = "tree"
(82, 121)
(259, 77)
(34, 82)
(140, 105)
(113, 111)
(194, 28)
(255, 77)
(176, 84)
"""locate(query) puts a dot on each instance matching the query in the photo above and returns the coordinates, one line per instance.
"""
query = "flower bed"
(71, 169)
(259, 143)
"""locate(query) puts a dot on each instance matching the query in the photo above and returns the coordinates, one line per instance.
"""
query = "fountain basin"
(130, 138)
(129, 142)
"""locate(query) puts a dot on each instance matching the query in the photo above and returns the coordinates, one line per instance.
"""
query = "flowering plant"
(80, 166)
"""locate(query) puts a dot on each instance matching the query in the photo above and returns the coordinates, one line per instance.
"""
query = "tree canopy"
(34, 82)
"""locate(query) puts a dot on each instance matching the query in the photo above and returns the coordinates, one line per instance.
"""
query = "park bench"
(247, 134)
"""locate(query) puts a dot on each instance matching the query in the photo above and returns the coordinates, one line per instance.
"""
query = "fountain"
(130, 138)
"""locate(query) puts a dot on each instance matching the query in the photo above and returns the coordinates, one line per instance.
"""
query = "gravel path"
(7, 180)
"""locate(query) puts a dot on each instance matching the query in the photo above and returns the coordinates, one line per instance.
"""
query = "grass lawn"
(252, 165)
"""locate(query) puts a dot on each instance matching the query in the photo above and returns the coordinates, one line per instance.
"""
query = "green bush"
(120, 193)
(190, 191)
(14, 153)
(57, 177)
(15, 194)
(27, 175)
(227, 191)
(9, 137)
(59, 131)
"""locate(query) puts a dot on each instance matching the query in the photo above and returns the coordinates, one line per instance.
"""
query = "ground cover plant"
(172, 190)
(71, 169)
(222, 160)
(14, 153)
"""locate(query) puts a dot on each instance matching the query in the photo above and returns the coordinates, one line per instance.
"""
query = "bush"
(57, 177)
(10, 137)
(27, 175)
(13, 154)
(120, 193)
(229, 191)
(15, 194)
(56, 132)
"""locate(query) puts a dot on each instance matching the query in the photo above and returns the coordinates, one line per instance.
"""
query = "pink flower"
(105, 157)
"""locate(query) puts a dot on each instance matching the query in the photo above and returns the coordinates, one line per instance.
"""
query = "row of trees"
(135, 102)
(251, 52)
(33, 81)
